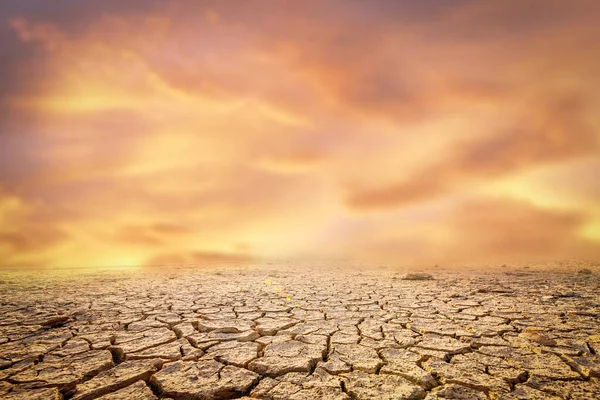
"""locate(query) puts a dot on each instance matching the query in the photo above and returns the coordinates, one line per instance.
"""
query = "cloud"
(516, 230)
(158, 233)
(142, 131)
(199, 258)
(24, 239)
(476, 229)
(556, 133)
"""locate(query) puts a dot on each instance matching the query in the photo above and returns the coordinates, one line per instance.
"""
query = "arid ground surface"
(305, 333)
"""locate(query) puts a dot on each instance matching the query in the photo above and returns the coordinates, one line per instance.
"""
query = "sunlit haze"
(177, 132)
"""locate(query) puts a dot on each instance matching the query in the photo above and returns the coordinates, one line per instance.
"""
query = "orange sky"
(149, 132)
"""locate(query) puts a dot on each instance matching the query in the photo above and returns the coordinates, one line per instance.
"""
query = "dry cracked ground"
(267, 333)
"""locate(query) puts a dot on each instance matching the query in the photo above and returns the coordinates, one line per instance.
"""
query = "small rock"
(417, 276)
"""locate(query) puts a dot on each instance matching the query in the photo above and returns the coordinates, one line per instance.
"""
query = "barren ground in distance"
(274, 332)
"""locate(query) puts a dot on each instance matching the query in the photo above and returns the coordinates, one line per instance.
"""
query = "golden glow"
(186, 134)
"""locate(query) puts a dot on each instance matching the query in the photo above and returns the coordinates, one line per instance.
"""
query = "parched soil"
(319, 333)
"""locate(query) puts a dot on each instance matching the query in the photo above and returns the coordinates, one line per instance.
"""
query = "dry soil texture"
(299, 334)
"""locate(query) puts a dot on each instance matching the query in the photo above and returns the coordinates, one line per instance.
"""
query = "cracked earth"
(269, 333)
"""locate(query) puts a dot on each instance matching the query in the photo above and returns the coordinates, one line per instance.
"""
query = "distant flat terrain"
(299, 333)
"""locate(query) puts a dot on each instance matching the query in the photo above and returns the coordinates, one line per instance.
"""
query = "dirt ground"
(274, 332)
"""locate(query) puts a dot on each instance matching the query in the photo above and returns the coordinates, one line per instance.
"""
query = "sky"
(142, 132)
